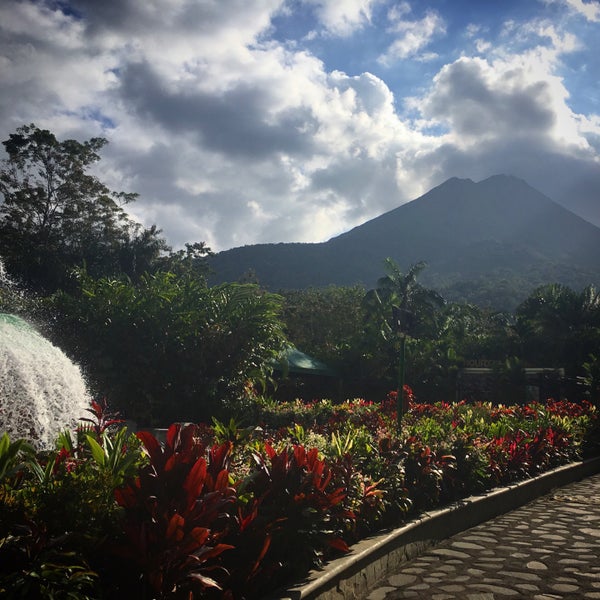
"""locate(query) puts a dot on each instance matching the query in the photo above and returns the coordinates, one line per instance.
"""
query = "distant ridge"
(499, 227)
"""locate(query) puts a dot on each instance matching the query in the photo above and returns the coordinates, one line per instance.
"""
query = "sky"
(248, 121)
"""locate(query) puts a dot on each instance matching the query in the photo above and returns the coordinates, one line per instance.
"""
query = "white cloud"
(589, 126)
(520, 93)
(482, 46)
(472, 30)
(343, 17)
(47, 65)
(274, 136)
(590, 10)
(412, 36)
(510, 113)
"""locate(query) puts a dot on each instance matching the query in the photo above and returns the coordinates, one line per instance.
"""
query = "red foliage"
(423, 474)
(390, 406)
(177, 512)
(518, 455)
(297, 498)
(101, 419)
(564, 408)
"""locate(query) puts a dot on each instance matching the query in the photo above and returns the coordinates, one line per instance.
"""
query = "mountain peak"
(457, 180)
(498, 180)
(498, 227)
(502, 177)
(502, 180)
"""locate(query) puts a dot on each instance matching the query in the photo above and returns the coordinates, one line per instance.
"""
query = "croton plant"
(225, 511)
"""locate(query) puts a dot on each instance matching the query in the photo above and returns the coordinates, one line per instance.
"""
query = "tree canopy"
(55, 214)
(168, 348)
(559, 326)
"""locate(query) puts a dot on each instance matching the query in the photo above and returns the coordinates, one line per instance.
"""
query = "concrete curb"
(372, 559)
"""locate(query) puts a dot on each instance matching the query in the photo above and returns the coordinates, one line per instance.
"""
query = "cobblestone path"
(549, 548)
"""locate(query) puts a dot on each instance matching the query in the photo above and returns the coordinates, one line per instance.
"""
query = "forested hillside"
(491, 243)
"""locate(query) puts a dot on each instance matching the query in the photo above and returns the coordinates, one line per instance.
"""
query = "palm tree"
(559, 326)
(401, 307)
(402, 304)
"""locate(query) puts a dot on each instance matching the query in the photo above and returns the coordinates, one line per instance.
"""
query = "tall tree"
(400, 302)
(192, 261)
(56, 214)
(399, 308)
(560, 327)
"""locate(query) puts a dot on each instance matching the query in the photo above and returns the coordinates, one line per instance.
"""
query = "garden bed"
(374, 558)
(226, 511)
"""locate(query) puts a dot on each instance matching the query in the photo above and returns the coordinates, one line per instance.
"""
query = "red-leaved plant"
(299, 506)
(176, 513)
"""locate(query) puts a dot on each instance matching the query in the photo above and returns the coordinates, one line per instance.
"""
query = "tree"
(56, 215)
(560, 327)
(402, 304)
(401, 308)
(435, 361)
(192, 261)
(168, 348)
(324, 322)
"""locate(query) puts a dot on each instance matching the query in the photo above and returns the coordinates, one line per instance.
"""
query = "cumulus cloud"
(511, 114)
(479, 101)
(343, 17)
(249, 154)
(45, 64)
(517, 93)
(233, 136)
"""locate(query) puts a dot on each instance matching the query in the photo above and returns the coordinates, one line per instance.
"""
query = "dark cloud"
(465, 97)
(196, 16)
(237, 122)
(185, 215)
(367, 184)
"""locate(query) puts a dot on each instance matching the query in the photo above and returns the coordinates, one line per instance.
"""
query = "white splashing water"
(41, 391)
(10, 293)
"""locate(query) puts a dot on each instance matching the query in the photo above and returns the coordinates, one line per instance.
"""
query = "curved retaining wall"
(372, 559)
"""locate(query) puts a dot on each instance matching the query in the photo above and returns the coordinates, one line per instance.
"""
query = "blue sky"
(246, 121)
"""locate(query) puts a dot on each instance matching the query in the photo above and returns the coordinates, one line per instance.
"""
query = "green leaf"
(97, 451)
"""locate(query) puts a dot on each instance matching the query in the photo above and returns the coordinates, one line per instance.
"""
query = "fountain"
(41, 391)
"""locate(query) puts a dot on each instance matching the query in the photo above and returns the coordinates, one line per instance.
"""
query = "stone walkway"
(549, 548)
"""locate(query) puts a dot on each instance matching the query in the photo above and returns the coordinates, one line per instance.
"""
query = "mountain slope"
(499, 227)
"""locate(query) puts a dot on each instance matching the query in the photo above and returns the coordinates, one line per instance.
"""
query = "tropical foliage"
(560, 326)
(210, 512)
(326, 323)
(168, 348)
(555, 328)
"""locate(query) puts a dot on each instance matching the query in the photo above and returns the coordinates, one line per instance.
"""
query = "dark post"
(400, 398)
(401, 320)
